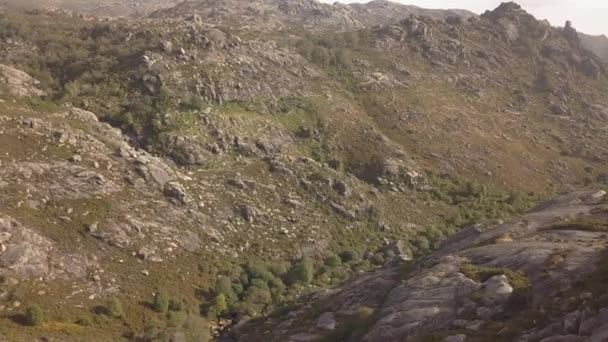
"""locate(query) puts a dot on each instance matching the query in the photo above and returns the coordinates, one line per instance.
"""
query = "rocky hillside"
(102, 8)
(540, 277)
(220, 162)
(597, 44)
(279, 14)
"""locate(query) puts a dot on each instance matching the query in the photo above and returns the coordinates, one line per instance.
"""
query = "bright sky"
(588, 16)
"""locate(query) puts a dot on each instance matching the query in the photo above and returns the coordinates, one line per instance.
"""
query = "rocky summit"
(291, 170)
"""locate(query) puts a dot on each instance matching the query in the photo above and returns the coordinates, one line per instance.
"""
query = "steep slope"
(537, 278)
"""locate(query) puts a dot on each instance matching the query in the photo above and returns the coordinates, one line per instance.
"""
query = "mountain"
(104, 8)
(218, 168)
(273, 14)
(597, 44)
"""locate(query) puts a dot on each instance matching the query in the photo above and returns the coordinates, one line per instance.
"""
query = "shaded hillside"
(597, 44)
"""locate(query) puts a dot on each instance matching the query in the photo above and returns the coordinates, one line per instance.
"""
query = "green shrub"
(333, 261)
(259, 283)
(377, 259)
(223, 285)
(257, 295)
(176, 319)
(280, 268)
(389, 254)
(161, 302)
(244, 279)
(192, 103)
(422, 243)
(258, 271)
(302, 272)
(338, 275)
(34, 315)
(115, 309)
(237, 289)
(152, 330)
(246, 308)
(362, 265)
(177, 305)
(84, 321)
(277, 283)
(349, 255)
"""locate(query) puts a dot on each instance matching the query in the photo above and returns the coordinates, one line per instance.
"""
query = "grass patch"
(587, 225)
(522, 289)
(597, 280)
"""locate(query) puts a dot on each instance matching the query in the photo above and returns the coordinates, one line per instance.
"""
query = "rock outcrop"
(17, 82)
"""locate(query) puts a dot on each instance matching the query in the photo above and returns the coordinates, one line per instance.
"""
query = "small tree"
(115, 308)
(219, 306)
(34, 315)
(161, 302)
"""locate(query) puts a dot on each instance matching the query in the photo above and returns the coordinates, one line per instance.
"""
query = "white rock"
(497, 290)
(327, 321)
(455, 338)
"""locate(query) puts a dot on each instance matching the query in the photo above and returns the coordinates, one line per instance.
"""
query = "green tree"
(219, 306)
(34, 315)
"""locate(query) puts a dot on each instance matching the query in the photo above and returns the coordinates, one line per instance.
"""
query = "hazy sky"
(589, 16)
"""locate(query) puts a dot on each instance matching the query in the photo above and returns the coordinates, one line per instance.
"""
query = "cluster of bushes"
(34, 315)
(258, 288)
(174, 316)
(478, 203)
(93, 65)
